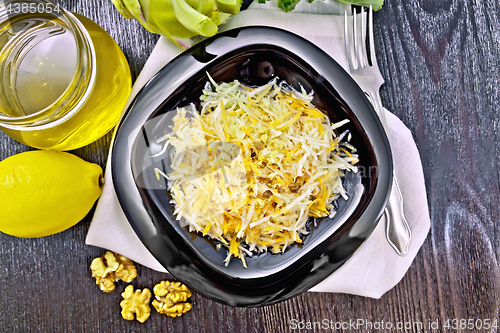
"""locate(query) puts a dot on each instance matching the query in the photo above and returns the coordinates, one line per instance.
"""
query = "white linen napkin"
(375, 267)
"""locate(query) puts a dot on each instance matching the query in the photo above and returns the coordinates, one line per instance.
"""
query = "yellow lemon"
(45, 192)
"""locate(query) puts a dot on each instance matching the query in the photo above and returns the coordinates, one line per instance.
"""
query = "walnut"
(136, 302)
(112, 267)
(171, 298)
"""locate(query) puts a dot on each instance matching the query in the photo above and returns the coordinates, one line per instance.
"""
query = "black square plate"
(252, 55)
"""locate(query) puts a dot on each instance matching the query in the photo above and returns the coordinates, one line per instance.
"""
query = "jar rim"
(81, 85)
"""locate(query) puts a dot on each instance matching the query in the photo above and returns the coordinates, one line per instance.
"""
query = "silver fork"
(368, 77)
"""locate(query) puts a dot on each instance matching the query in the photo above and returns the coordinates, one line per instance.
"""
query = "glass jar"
(63, 80)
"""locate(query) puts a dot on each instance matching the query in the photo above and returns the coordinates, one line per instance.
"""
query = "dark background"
(440, 59)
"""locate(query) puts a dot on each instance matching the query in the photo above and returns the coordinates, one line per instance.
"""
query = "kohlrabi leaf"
(376, 4)
(287, 5)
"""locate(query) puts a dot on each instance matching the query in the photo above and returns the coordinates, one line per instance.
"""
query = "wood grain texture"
(441, 62)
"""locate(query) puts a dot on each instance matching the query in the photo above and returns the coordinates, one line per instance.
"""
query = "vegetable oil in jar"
(64, 80)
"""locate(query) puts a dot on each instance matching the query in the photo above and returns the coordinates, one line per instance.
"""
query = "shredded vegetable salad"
(273, 161)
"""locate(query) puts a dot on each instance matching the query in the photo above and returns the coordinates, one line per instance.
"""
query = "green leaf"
(287, 5)
(376, 4)
(229, 6)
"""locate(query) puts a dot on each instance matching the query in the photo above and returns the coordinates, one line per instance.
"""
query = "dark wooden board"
(441, 62)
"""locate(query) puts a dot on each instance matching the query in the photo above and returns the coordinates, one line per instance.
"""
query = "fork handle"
(397, 230)
(379, 108)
